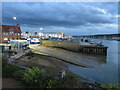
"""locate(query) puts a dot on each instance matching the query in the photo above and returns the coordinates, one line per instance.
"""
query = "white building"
(51, 34)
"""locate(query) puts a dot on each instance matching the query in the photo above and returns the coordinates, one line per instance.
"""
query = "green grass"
(8, 70)
(110, 86)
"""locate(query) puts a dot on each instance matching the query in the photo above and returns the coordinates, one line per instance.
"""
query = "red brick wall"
(13, 37)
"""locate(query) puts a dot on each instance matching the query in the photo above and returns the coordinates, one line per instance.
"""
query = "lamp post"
(41, 29)
(15, 18)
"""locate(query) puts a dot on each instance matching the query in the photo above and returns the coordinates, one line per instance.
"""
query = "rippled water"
(106, 68)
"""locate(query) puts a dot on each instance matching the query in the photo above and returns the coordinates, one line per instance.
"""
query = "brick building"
(10, 33)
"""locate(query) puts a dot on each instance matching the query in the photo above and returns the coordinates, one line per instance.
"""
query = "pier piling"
(94, 50)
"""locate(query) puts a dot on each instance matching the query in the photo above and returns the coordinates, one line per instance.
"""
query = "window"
(5, 33)
(18, 33)
(11, 33)
(5, 38)
(15, 33)
(12, 38)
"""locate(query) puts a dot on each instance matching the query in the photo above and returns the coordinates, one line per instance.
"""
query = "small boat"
(34, 41)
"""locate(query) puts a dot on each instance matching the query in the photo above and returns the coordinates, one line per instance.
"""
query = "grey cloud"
(56, 14)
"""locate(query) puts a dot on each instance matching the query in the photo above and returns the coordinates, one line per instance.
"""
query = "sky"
(72, 18)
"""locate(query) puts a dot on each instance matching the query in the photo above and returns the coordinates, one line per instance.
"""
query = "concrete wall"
(73, 46)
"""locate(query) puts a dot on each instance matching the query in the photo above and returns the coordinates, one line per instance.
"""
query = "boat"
(34, 41)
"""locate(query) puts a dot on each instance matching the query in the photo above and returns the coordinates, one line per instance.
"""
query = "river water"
(106, 68)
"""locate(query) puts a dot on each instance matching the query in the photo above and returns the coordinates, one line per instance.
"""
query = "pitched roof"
(7, 28)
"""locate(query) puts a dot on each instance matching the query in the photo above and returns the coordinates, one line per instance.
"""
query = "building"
(27, 35)
(52, 34)
(10, 33)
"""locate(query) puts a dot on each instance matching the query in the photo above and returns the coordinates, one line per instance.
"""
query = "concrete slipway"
(67, 56)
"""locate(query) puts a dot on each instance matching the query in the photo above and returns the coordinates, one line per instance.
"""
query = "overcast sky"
(73, 18)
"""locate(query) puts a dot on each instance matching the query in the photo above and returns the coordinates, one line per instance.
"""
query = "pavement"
(64, 55)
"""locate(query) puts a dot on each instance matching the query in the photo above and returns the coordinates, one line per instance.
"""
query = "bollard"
(62, 73)
(9, 47)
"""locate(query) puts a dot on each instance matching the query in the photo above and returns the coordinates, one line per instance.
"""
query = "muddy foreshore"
(51, 64)
(33, 59)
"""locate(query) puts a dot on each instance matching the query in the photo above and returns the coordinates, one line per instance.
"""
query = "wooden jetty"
(101, 50)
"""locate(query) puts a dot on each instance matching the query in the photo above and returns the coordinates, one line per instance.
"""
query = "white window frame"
(18, 33)
(5, 38)
(15, 33)
(11, 33)
(5, 33)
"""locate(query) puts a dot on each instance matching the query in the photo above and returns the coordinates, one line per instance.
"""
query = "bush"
(8, 70)
(110, 87)
(70, 81)
(52, 83)
(34, 78)
(4, 62)
(18, 74)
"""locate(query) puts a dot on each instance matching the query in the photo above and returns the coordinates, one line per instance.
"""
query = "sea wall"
(73, 46)
(76, 46)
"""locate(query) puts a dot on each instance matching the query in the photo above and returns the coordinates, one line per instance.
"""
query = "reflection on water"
(99, 59)
(106, 67)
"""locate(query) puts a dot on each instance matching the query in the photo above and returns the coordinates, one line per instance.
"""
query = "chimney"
(18, 25)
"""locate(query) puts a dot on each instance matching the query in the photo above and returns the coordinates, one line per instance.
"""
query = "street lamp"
(14, 18)
(41, 29)
(41, 33)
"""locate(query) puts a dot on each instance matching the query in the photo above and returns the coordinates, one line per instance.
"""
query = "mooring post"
(62, 73)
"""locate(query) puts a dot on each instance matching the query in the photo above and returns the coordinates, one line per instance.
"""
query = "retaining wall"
(73, 46)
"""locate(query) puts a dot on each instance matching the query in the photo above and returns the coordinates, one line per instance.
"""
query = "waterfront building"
(10, 32)
(41, 35)
(51, 34)
(26, 35)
